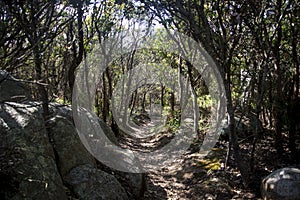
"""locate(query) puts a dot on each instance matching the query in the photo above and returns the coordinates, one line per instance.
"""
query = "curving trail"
(189, 176)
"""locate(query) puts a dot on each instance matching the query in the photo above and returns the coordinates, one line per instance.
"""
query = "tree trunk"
(133, 101)
(34, 40)
(233, 143)
(278, 104)
(78, 57)
(97, 106)
(105, 103)
(144, 102)
(172, 103)
(294, 94)
(41, 88)
(195, 103)
(162, 93)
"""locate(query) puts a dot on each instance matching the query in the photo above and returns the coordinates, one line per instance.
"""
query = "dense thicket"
(255, 45)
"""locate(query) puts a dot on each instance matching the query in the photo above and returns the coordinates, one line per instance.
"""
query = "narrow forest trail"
(187, 177)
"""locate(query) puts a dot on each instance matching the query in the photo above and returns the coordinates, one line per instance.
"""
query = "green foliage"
(255, 44)
(62, 101)
(205, 101)
(173, 119)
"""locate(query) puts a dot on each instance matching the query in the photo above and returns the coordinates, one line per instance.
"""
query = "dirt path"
(189, 176)
(193, 177)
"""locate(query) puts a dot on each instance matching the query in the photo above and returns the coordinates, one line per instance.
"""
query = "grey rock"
(38, 161)
(282, 184)
(134, 183)
(71, 152)
(28, 168)
(66, 111)
(12, 89)
(61, 110)
(89, 183)
(67, 145)
(108, 132)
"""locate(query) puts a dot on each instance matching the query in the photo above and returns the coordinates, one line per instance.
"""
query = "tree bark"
(294, 94)
(78, 57)
(162, 93)
(105, 103)
(172, 104)
(278, 104)
(41, 88)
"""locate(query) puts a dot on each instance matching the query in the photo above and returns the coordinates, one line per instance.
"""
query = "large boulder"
(67, 145)
(134, 183)
(66, 111)
(76, 164)
(72, 153)
(108, 132)
(89, 183)
(12, 89)
(28, 168)
(118, 160)
(46, 162)
(282, 184)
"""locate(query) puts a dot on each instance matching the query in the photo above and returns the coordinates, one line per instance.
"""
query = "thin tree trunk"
(258, 126)
(128, 85)
(144, 102)
(195, 103)
(233, 143)
(97, 106)
(36, 44)
(172, 104)
(105, 100)
(134, 97)
(41, 88)
(77, 57)
(278, 105)
(162, 93)
(294, 93)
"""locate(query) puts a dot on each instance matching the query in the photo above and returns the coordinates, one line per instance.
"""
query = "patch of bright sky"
(127, 23)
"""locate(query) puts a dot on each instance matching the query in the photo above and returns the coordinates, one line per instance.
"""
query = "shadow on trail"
(187, 177)
(154, 191)
(190, 176)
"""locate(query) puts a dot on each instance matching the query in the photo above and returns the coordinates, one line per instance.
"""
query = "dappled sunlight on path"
(187, 176)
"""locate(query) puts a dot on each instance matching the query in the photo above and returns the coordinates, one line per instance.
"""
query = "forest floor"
(191, 177)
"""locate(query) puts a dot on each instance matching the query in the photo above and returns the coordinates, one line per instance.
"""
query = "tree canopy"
(254, 44)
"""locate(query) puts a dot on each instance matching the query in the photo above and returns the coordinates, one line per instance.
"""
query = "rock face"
(37, 161)
(89, 183)
(28, 167)
(134, 183)
(46, 159)
(66, 143)
(70, 144)
(77, 166)
(12, 89)
(282, 184)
